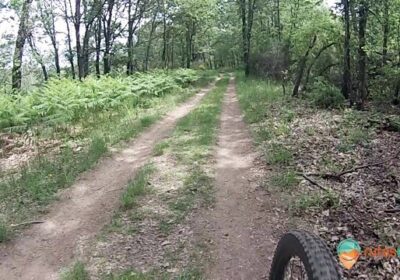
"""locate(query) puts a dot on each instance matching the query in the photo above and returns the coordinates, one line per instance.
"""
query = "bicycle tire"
(315, 255)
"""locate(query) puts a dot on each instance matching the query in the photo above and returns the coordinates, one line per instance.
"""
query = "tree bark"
(47, 16)
(385, 31)
(153, 27)
(70, 55)
(37, 57)
(19, 45)
(136, 16)
(302, 67)
(247, 15)
(79, 53)
(108, 32)
(98, 46)
(362, 56)
(346, 80)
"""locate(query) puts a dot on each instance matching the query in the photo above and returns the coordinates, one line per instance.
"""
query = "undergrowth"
(24, 194)
(137, 187)
(76, 272)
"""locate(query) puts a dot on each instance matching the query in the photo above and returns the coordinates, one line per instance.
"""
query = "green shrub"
(326, 96)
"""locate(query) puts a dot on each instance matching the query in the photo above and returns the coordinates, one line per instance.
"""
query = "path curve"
(83, 209)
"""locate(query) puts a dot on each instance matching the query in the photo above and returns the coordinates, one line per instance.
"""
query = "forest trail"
(82, 211)
(241, 224)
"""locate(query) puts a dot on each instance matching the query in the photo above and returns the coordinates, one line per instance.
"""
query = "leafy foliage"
(326, 96)
(63, 101)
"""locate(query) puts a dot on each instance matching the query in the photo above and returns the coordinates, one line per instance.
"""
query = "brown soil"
(246, 220)
(83, 210)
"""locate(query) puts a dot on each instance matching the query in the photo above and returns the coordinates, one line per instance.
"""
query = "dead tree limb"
(314, 182)
(337, 176)
(27, 224)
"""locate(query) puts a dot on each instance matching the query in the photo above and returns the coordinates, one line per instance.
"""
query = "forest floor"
(203, 195)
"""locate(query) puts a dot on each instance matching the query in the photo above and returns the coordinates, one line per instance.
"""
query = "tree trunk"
(153, 27)
(19, 45)
(79, 53)
(385, 31)
(137, 15)
(362, 57)
(302, 66)
(98, 46)
(86, 51)
(38, 58)
(46, 10)
(70, 55)
(346, 81)
(164, 56)
(279, 19)
(247, 15)
(108, 32)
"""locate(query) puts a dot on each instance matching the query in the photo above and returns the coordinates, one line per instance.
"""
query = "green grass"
(160, 147)
(191, 143)
(285, 180)
(137, 187)
(277, 154)
(4, 232)
(25, 195)
(37, 183)
(76, 272)
(190, 274)
(320, 201)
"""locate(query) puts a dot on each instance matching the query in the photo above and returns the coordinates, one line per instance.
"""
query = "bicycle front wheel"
(302, 255)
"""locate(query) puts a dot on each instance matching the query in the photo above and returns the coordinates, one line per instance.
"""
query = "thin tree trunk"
(79, 53)
(70, 55)
(362, 57)
(37, 57)
(346, 82)
(98, 46)
(138, 14)
(279, 19)
(302, 66)
(19, 45)
(153, 27)
(165, 45)
(385, 31)
(108, 36)
(308, 72)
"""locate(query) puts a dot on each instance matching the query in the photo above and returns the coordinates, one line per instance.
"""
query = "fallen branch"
(392, 211)
(27, 224)
(338, 176)
(362, 224)
(314, 182)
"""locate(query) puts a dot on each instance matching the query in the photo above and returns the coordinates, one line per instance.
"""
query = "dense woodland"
(353, 45)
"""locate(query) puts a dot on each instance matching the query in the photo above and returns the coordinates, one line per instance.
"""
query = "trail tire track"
(42, 250)
(239, 225)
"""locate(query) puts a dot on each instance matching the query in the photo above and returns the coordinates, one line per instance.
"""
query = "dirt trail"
(83, 209)
(242, 221)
